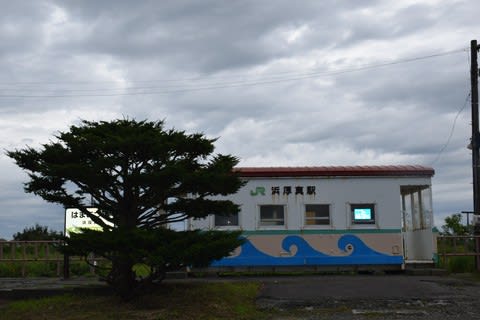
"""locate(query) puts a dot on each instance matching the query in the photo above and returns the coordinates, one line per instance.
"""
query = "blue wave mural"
(359, 254)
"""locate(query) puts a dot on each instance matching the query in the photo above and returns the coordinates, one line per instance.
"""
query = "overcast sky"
(282, 83)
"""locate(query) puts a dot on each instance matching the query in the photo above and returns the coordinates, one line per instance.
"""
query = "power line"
(221, 78)
(452, 129)
(270, 79)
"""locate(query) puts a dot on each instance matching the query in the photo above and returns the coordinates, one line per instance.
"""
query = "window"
(363, 213)
(272, 215)
(226, 221)
(317, 214)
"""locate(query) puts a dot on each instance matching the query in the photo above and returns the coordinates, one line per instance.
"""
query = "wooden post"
(66, 266)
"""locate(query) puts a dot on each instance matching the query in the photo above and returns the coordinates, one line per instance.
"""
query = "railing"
(25, 253)
(29, 250)
(458, 246)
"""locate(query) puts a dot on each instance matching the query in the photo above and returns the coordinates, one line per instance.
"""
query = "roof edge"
(338, 171)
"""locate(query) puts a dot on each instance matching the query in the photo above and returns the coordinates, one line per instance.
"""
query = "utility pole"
(475, 125)
(475, 146)
(468, 213)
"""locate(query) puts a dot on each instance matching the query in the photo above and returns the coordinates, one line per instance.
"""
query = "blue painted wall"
(358, 254)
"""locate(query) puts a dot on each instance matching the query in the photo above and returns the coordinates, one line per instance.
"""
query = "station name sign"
(75, 220)
(284, 190)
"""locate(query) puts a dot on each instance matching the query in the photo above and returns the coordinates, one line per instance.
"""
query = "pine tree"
(141, 178)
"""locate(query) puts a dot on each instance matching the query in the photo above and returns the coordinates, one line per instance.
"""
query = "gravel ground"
(375, 297)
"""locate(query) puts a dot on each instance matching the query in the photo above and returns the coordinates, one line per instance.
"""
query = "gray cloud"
(400, 113)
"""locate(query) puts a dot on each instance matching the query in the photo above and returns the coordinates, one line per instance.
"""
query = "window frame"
(225, 226)
(327, 225)
(272, 226)
(359, 205)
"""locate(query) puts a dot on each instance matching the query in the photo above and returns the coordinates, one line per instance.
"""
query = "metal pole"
(475, 127)
(475, 143)
(66, 257)
(468, 213)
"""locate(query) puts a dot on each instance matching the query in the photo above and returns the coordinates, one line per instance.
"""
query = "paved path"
(384, 297)
(315, 289)
(21, 288)
(9, 284)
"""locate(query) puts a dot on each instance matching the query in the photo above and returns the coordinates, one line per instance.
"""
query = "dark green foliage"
(130, 169)
(141, 178)
(161, 249)
(453, 226)
(37, 233)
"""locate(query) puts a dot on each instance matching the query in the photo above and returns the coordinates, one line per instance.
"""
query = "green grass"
(35, 267)
(459, 264)
(41, 269)
(456, 264)
(219, 300)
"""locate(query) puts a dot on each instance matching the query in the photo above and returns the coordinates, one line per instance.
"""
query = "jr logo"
(258, 191)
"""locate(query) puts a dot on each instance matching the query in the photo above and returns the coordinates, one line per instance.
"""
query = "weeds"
(168, 301)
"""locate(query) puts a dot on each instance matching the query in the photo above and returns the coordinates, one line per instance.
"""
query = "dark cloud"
(207, 37)
(209, 64)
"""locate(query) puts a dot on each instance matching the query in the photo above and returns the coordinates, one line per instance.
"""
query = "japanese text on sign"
(286, 190)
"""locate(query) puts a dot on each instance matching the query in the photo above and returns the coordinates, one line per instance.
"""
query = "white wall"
(384, 192)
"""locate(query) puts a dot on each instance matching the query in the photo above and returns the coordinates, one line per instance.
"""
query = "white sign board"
(75, 219)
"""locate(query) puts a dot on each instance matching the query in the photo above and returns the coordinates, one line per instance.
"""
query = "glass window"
(416, 206)
(272, 215)
(225, 221)
(317, 214)
(363, 213)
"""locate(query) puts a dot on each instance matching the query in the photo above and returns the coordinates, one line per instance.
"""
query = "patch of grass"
(459, 264)
(41, 269)
(219, 300)
(9, 270)
(79, 268)
(41, 260)
(51, 303)
(32, 268)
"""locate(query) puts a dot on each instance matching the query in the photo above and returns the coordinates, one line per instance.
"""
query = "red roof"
(336, 171)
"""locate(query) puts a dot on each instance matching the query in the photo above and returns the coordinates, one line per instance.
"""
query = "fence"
(26, 253)
(449, 247)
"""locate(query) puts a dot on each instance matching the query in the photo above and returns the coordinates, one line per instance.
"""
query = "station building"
(360, 216)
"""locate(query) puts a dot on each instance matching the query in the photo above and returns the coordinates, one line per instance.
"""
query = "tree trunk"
(122, 277)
